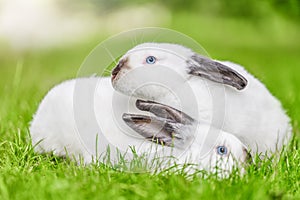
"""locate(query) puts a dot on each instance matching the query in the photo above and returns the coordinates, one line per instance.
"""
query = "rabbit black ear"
(202, 66)
(154, 129)
(169, 126)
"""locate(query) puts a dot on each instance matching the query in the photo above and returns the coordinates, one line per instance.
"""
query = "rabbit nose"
(118, 68)
(247, 156)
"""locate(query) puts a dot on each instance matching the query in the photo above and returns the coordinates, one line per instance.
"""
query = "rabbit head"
(174, 129)
(167, 64)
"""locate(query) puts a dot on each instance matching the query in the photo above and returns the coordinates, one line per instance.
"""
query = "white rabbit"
(226, 95)
(81, 118)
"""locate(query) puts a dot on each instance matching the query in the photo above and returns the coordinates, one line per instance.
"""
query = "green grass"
(269, 50)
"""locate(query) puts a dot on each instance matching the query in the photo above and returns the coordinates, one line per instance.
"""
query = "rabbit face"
(150, 67)
(173, 128)
(227, 153)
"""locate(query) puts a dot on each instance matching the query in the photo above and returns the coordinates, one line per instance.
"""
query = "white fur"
(253, 114)
(74, 112)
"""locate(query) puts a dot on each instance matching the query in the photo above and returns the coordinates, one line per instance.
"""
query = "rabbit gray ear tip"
(142, 105)
(138, 102)
(242, 85)
(127, 117)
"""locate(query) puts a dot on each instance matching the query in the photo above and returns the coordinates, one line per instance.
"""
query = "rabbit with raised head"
(226, 95)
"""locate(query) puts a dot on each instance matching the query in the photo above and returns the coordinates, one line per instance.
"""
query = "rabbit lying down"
(76, 113)
(226, 95)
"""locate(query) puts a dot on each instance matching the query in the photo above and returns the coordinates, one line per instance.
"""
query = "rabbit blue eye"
(150, 59)
(221, 150)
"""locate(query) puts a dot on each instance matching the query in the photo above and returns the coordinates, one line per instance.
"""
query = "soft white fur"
(74, 112)
(253, 114)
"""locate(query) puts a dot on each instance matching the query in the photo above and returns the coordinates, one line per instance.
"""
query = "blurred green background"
(44, 42)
